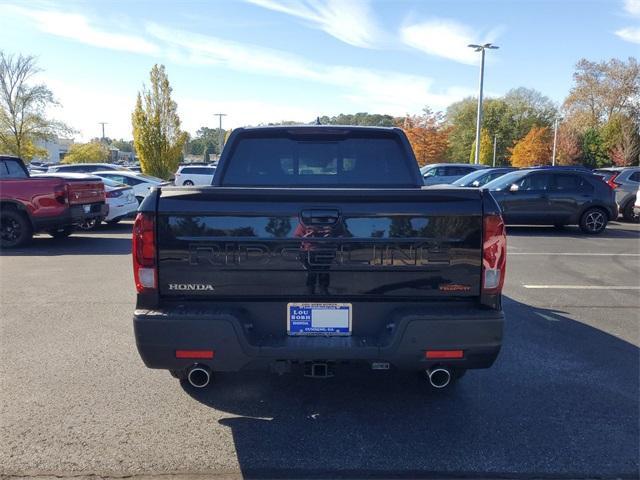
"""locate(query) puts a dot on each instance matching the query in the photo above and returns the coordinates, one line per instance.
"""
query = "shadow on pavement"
(561, 401)
(93, 242)
(623, 230)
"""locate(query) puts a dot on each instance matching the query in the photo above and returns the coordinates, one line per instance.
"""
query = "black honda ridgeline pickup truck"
(318, 246)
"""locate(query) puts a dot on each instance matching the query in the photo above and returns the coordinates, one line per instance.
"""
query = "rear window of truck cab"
(11, 169)
(321, 161)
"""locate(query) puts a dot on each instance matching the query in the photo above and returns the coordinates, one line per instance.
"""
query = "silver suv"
(625, 182)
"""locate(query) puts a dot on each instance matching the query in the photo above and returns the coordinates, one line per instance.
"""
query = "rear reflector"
(195, 353)
(444, 354)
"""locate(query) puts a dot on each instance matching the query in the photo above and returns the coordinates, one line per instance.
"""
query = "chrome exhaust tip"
(199, 376)
(439, 377)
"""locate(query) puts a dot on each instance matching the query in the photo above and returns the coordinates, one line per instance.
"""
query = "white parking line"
(585, 287)
(577, 254)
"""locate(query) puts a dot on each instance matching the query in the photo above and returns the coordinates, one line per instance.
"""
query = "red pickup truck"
(44, 204)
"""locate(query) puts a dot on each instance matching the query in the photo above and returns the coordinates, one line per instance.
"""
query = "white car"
(194, 175)
(141, 183)
(122, 204)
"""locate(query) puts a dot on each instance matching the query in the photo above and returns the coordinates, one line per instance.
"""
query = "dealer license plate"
(319, 318)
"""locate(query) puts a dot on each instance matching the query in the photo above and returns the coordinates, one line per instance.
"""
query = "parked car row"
(550, 195)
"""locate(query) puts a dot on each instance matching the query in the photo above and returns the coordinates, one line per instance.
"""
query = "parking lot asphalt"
(562, 400)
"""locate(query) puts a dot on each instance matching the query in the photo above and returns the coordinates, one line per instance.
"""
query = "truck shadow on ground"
(624, 230)
(561, 401)
(93, 242)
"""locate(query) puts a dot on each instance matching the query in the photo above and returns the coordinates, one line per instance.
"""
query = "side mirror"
(514, 188)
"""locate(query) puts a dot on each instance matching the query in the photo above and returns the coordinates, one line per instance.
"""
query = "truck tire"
(61, 232)
(593, 221)
(187, 183)
(15, 228)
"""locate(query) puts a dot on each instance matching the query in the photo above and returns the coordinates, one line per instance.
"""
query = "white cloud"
(77, 27)
(395, 93)
(445, 38)
(352, 88)
(630, 34)
(632, 7)
(350, 21)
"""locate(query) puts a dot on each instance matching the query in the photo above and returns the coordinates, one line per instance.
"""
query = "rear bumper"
(121, 211)
(74, 215)
(160, 333)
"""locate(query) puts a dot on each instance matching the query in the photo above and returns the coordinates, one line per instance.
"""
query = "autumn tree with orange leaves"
(428, 136)
(533, 149)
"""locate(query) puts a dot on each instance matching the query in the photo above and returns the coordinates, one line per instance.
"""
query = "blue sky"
(270, 60)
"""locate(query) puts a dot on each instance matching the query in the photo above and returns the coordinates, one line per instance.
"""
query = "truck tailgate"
(85, 191)
(313, 244)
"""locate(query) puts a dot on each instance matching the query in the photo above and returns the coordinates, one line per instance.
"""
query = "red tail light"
(494, 254)
(61, 193)
(114, 193)
(611, 182)
(144, 253)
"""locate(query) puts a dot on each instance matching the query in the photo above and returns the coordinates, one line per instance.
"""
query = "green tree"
(206, 142)
(157, 136)
(621, 137)
(92, 152)
(594, 150)
(123, 145)
(510, 118)
(22, 108)
(486, 149)
(361, 118)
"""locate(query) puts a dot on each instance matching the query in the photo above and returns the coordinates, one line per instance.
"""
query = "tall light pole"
(495, 139)
(103, 124)
(480, 48)
(220, 115)
(555, 141)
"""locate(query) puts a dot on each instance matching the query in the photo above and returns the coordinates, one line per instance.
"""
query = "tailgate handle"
(320, 216)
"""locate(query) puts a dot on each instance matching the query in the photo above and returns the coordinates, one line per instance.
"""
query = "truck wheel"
(15, 228)
(61, 232)
(593, 221)
(188, 183)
